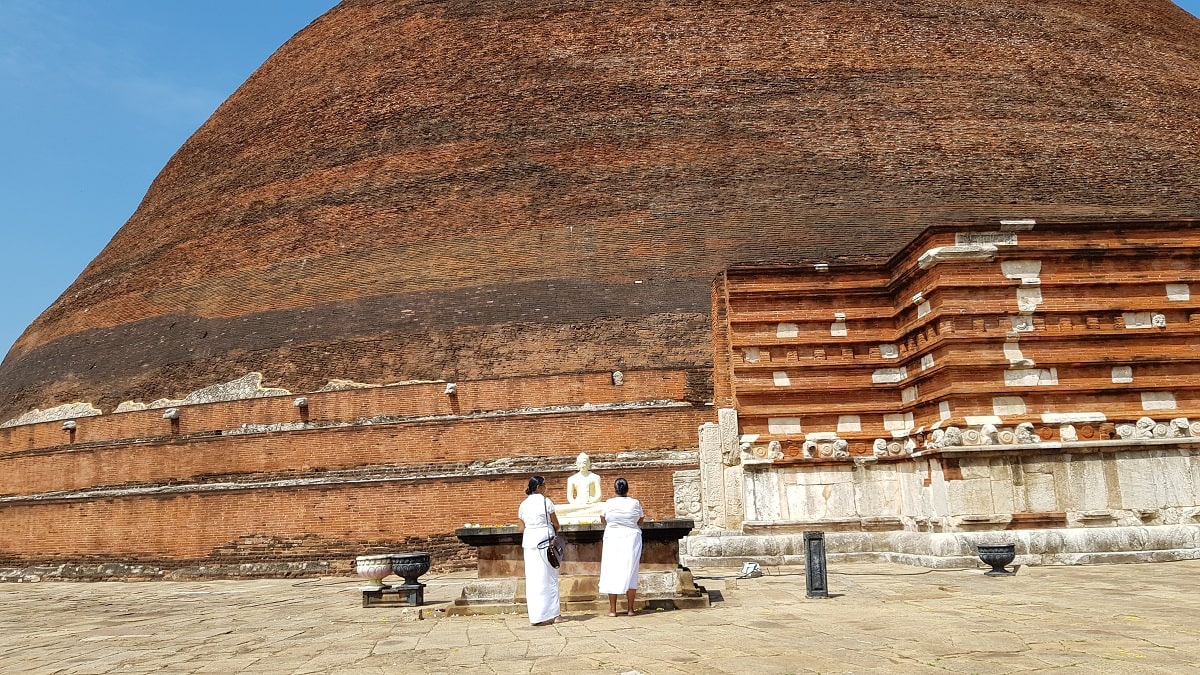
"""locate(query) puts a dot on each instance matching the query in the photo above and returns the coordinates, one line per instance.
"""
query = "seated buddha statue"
(583, 495)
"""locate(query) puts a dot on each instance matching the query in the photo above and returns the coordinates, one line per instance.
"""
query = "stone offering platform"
(500, 585)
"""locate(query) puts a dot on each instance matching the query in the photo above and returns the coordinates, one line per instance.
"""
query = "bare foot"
(612, 613)
(559, 619)
(629, 613)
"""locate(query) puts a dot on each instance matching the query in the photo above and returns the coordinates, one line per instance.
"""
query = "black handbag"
(555, 549)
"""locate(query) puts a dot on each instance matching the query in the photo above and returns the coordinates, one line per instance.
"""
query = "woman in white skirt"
(622, 517)
(538, 523)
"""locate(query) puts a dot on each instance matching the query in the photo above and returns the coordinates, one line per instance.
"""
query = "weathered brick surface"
(236, 491)
(324, 523)
(406, 401)
(461, 190)
(455, 444)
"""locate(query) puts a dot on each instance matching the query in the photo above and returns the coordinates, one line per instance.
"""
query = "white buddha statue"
(583, 495)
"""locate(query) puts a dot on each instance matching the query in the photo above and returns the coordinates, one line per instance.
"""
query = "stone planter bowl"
(997, 556)
(410, 566)
(373, 568)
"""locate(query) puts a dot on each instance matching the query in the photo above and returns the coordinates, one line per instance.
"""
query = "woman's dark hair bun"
(533, 484)
(621, 486)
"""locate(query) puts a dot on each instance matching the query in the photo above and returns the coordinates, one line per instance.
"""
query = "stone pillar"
(720, 473)
(734, 509)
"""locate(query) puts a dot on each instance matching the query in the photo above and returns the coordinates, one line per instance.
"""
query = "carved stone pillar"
(720, 473)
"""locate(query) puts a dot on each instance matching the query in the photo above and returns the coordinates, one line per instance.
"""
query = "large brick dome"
(471, 189)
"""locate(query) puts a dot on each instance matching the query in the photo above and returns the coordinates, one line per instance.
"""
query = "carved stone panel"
(687, 494)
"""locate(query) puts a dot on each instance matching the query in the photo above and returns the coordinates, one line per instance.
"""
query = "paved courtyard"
(883, 619)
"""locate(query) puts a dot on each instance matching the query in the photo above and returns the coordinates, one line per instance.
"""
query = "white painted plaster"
(838, 329)
(908, 394)
(1028, 299)
(849, 424)
(927, 362)
(889, 351)
(1138, 319)
(1158, 400)
(1073, 417)
(889, 375)
(1030, 377)
(1021, 269)
(1122, 374)
(787, 330)
(784, 426)
(781, 379)
(923, 309)
(980, 420)
(1012, 352)
(898, 422)
(751, 354)
(1179, 292)
(820, 436)
(1022, 224)
(1008, 405)
(944, 410)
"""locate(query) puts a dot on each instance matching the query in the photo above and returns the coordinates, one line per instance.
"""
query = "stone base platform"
(948, 550)
(580, 593)
(500, 586)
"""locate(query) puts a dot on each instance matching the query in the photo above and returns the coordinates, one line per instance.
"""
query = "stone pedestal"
(500, 585)
(399, 595)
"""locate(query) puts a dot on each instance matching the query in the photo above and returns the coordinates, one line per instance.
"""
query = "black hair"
(534, 483)
(621, 486)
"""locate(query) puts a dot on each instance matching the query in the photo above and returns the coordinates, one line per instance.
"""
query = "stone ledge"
(133, 572)
(945, 550)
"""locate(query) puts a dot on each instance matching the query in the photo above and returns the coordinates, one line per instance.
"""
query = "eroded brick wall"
(382, 469)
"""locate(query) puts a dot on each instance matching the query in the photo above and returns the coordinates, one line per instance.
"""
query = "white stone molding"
(957, 254)
(985, 238)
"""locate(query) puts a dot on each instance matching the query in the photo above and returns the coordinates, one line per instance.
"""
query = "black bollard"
(814, 565)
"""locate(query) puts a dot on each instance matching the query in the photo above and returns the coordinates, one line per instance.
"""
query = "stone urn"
(997, 556)
(373, 568)
(410, 566)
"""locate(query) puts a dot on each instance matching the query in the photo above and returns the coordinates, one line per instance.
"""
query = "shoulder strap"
(546, 508)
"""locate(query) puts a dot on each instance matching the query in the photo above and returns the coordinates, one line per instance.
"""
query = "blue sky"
(95, 97)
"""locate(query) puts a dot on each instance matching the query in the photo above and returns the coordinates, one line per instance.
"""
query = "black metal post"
(814, 565)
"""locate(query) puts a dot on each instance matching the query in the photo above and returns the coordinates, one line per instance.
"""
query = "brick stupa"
(504, 233)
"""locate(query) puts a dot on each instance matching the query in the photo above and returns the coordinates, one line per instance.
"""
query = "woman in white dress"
(538, 523)
(622, 517)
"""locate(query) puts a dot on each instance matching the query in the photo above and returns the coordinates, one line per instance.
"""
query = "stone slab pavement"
(1138, 618)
